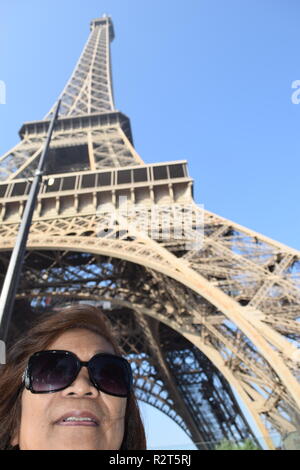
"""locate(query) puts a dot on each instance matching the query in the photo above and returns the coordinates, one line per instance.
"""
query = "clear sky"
(209, 81)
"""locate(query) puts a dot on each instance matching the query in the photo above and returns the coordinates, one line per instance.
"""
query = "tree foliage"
(229, 445)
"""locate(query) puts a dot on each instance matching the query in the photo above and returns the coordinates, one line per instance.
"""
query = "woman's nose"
(81, 386)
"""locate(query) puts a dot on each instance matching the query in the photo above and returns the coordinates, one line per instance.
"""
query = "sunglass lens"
(52, 371)
(111, 374)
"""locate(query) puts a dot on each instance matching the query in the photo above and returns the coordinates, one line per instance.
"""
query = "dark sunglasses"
(51, 371)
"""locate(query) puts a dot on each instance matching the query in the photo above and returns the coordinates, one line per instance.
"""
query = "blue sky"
(204, 80)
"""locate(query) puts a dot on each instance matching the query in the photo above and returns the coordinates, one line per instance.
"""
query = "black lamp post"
(11, 281)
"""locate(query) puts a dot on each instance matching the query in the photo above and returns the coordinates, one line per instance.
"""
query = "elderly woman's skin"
(39, 429)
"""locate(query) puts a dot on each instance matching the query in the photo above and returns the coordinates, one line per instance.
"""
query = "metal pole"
(11, 281)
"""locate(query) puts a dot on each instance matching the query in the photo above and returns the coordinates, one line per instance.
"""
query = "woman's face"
(41, 428)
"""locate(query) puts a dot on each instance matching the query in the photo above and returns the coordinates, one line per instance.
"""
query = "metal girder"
(225, 338)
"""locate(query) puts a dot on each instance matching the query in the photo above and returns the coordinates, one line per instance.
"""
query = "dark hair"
(43, 333)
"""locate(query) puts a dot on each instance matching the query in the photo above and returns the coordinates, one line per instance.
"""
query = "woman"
(66, 386)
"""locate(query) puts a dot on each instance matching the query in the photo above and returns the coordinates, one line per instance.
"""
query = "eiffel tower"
(206, 311)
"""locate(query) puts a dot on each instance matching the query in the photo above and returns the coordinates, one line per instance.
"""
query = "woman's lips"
(77, 423)
(77, 418)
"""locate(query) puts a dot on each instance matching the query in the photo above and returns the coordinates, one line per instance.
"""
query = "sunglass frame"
(27, 378)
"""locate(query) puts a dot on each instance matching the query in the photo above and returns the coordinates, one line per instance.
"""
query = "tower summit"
(201, 305)
(89, 89)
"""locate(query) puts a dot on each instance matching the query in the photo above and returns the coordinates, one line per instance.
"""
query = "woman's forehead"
(82, 340)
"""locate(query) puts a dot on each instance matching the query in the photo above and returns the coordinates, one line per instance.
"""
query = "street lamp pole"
(12, 277)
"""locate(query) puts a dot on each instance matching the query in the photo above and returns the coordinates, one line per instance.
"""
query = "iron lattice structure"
(199, 314)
